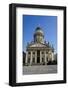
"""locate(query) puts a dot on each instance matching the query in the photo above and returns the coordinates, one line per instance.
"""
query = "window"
(47, 59)
(42, 59)
(42, 52)
(46, 52)
(33, 60)
(29, 53)
(33, 52)
(28, 60)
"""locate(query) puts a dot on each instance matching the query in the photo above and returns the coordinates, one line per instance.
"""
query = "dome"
(39, 31)
(38, 35)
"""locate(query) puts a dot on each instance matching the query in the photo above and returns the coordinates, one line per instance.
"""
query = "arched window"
(28, 60)
(46, 52)
(29, 52)
(33, 60)
(42, 59)
(42, 52)
(47, 59)
(34, 53)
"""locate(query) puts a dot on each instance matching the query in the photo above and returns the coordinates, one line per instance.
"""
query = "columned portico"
(37, 52)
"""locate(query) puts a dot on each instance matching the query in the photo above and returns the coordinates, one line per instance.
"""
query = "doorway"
(38, 56)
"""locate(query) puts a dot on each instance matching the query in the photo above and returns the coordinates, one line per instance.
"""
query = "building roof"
(36, 46)
(39, 45)
(39, 31)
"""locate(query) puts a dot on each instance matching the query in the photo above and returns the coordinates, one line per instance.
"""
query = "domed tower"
(38, 35)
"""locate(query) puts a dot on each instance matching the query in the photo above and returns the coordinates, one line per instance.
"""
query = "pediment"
(37, 45)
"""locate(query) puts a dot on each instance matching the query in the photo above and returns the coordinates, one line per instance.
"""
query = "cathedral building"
(39, 52)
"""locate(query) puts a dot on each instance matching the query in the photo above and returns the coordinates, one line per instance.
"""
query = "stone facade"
(39, 51)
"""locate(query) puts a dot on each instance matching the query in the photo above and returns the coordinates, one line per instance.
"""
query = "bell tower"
(38, 35)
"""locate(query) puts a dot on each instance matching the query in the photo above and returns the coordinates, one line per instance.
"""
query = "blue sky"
(47, 23)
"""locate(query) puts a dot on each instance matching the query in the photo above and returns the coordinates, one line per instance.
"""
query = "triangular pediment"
(37, 45)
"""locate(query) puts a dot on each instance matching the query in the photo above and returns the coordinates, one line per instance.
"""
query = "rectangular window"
(28, 60)
(33, 60)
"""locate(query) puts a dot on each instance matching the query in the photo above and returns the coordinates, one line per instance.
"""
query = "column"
(45, 58)
(26, 57)
(31, 59)
(52, 56)
(40, 57)
(35, 57)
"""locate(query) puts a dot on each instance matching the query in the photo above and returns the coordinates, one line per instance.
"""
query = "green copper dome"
(39, 30)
